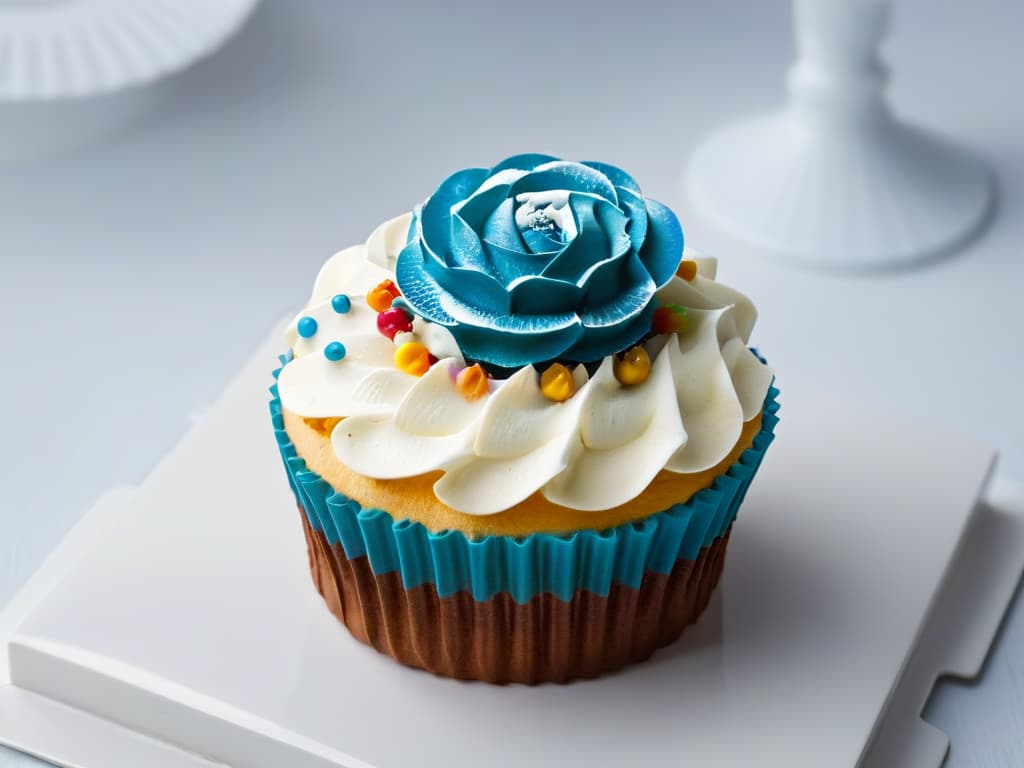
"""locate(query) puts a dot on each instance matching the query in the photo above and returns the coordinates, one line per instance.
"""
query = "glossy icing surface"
(539, 258)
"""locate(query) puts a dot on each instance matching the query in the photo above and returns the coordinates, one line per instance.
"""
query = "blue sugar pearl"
(341, 304)
(334, 351)
(307, 327)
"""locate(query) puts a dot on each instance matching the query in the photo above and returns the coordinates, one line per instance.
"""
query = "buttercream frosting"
(598, 449)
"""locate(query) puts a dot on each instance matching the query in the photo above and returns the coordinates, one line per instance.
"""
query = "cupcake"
(519, 422)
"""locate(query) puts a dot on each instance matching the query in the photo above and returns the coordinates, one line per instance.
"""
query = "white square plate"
(184, 610)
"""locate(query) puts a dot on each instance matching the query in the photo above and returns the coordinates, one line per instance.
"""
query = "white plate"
(189, 615)
(61, 49)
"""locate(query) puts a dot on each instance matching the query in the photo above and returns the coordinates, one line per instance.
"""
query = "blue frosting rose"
(539, 259)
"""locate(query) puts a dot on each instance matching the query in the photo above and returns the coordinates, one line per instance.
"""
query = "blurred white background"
(139, 271)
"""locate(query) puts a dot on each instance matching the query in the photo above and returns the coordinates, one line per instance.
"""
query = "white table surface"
(136, 275)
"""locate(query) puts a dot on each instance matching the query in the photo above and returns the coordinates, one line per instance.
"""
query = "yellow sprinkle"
(633, 367)
(687, 269)
(413, 358)
(556, 383)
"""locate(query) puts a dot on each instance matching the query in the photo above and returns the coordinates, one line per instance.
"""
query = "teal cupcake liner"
(523, 566)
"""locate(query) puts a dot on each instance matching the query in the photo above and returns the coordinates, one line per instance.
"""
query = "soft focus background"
(138, 272)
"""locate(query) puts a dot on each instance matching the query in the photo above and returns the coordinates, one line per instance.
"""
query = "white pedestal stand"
(833, 180)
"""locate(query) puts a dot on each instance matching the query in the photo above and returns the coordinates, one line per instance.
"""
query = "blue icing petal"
(539, 241)
(541, 295)
(431, 259)
(602, 236)
(598, 342)
(456, 188)
(414, 224)
(635, 208)
(435, 215)
(514, 295)
(500, 228)
(420, 291)
(482, 285)
(512, 264)
(466, 249)
(526, 162)
(571, 177)
(479, 208)
(468, 285)
(616, 176)
(614, 223)
(663, 247)
(507, 350)
(523, 325)
(618, 288)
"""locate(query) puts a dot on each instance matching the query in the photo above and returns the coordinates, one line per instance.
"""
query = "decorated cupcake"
(519, 423)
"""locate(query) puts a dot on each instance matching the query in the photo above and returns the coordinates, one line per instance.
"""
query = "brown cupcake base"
(502, 641)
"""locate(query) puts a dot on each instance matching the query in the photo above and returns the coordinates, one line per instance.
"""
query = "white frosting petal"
(488, 486)
(597, 450)
(614, 415)
(434, 406)
(604, 477)
(519, 419)
(381, 391)
(348, 271)
(685, 294)
(707, 266)
(315, 387)
(387, 241)
(377, 447)
(437, 339)
(432, 426)
(522, 441)
(750, 377)
(708, 404)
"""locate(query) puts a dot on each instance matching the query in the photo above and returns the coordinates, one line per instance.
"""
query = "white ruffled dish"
(62, 49)
(72, 71)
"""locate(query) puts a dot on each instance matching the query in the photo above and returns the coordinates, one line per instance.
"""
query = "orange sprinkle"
(381, 295)
(687, 269)
(472, 382)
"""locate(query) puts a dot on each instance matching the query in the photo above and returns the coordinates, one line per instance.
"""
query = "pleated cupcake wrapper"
(527, 566)
(501, 640)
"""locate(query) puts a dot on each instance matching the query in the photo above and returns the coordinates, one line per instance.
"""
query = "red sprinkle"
(393, 321)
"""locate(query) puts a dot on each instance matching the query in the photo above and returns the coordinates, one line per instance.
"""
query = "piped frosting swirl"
(598, 449)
